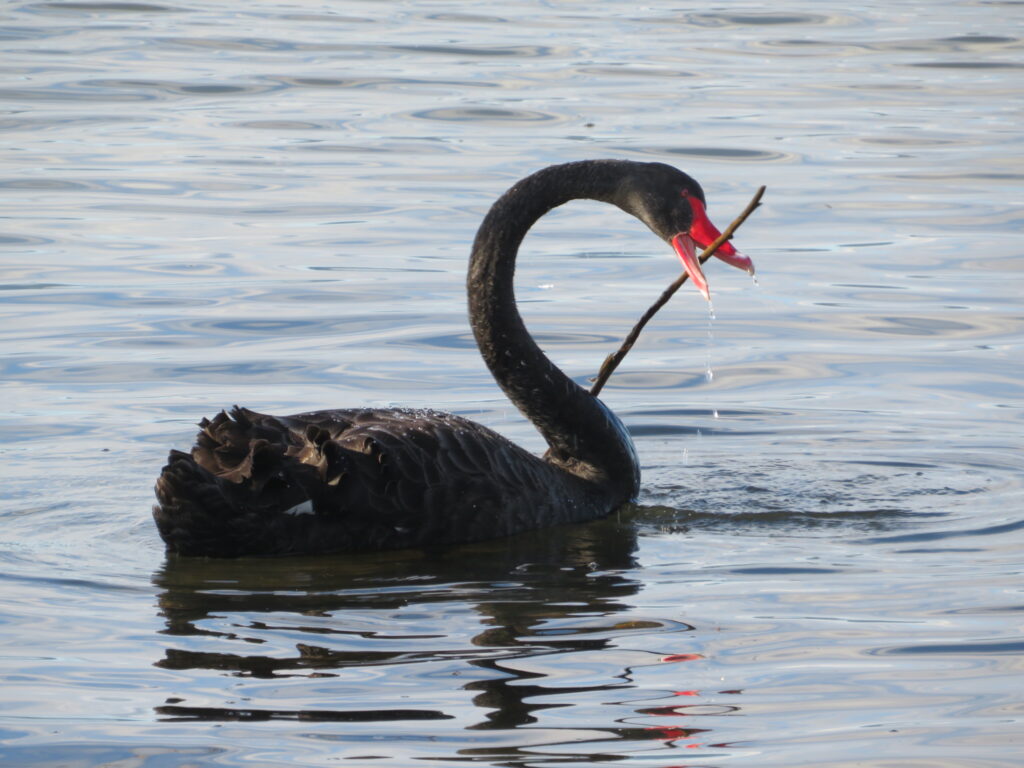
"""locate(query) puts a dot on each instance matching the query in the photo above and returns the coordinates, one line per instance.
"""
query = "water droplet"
(754, 278)
(708, 373)
(714, 413)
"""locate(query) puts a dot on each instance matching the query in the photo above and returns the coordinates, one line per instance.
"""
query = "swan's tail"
(249, 487)
(195, 514)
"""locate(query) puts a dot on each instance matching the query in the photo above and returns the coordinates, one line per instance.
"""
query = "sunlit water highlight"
(271, 204)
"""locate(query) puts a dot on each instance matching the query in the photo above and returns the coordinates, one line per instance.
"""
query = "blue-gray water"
(271, 204)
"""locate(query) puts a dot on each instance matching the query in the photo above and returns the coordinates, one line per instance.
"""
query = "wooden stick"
(612, 361)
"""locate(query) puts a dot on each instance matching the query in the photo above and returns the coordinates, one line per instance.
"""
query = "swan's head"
(672, 204)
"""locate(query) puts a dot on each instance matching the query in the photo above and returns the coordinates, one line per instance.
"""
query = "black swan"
(376, 479)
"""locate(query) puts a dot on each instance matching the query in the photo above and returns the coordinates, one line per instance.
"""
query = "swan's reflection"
(556, 591)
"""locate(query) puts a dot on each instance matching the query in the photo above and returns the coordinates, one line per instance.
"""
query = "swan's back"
(358, 479)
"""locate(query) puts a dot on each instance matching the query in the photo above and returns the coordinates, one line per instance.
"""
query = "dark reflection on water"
(519, 587)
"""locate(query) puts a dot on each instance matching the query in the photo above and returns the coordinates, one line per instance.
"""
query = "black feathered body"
(360, 479)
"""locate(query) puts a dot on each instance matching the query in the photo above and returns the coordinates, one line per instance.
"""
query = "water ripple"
(724, 154)
(484, 115)
(722, 19)
(104, 7)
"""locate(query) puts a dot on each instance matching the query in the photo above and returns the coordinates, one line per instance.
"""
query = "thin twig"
(612, 361)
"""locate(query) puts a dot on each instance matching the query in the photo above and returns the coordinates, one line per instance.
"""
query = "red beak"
(704, 233)
(688, 255)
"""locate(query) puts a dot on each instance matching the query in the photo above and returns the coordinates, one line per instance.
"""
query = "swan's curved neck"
(584, 435)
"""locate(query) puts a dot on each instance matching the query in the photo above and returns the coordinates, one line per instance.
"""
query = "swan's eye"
(685, 193)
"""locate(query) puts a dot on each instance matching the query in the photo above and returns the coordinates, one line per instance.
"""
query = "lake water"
(271, 204)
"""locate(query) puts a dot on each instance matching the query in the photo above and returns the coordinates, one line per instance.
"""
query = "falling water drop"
(754, 278)
(708, 373)
(714, 413)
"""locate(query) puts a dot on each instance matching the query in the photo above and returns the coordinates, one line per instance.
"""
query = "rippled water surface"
(271, 204)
